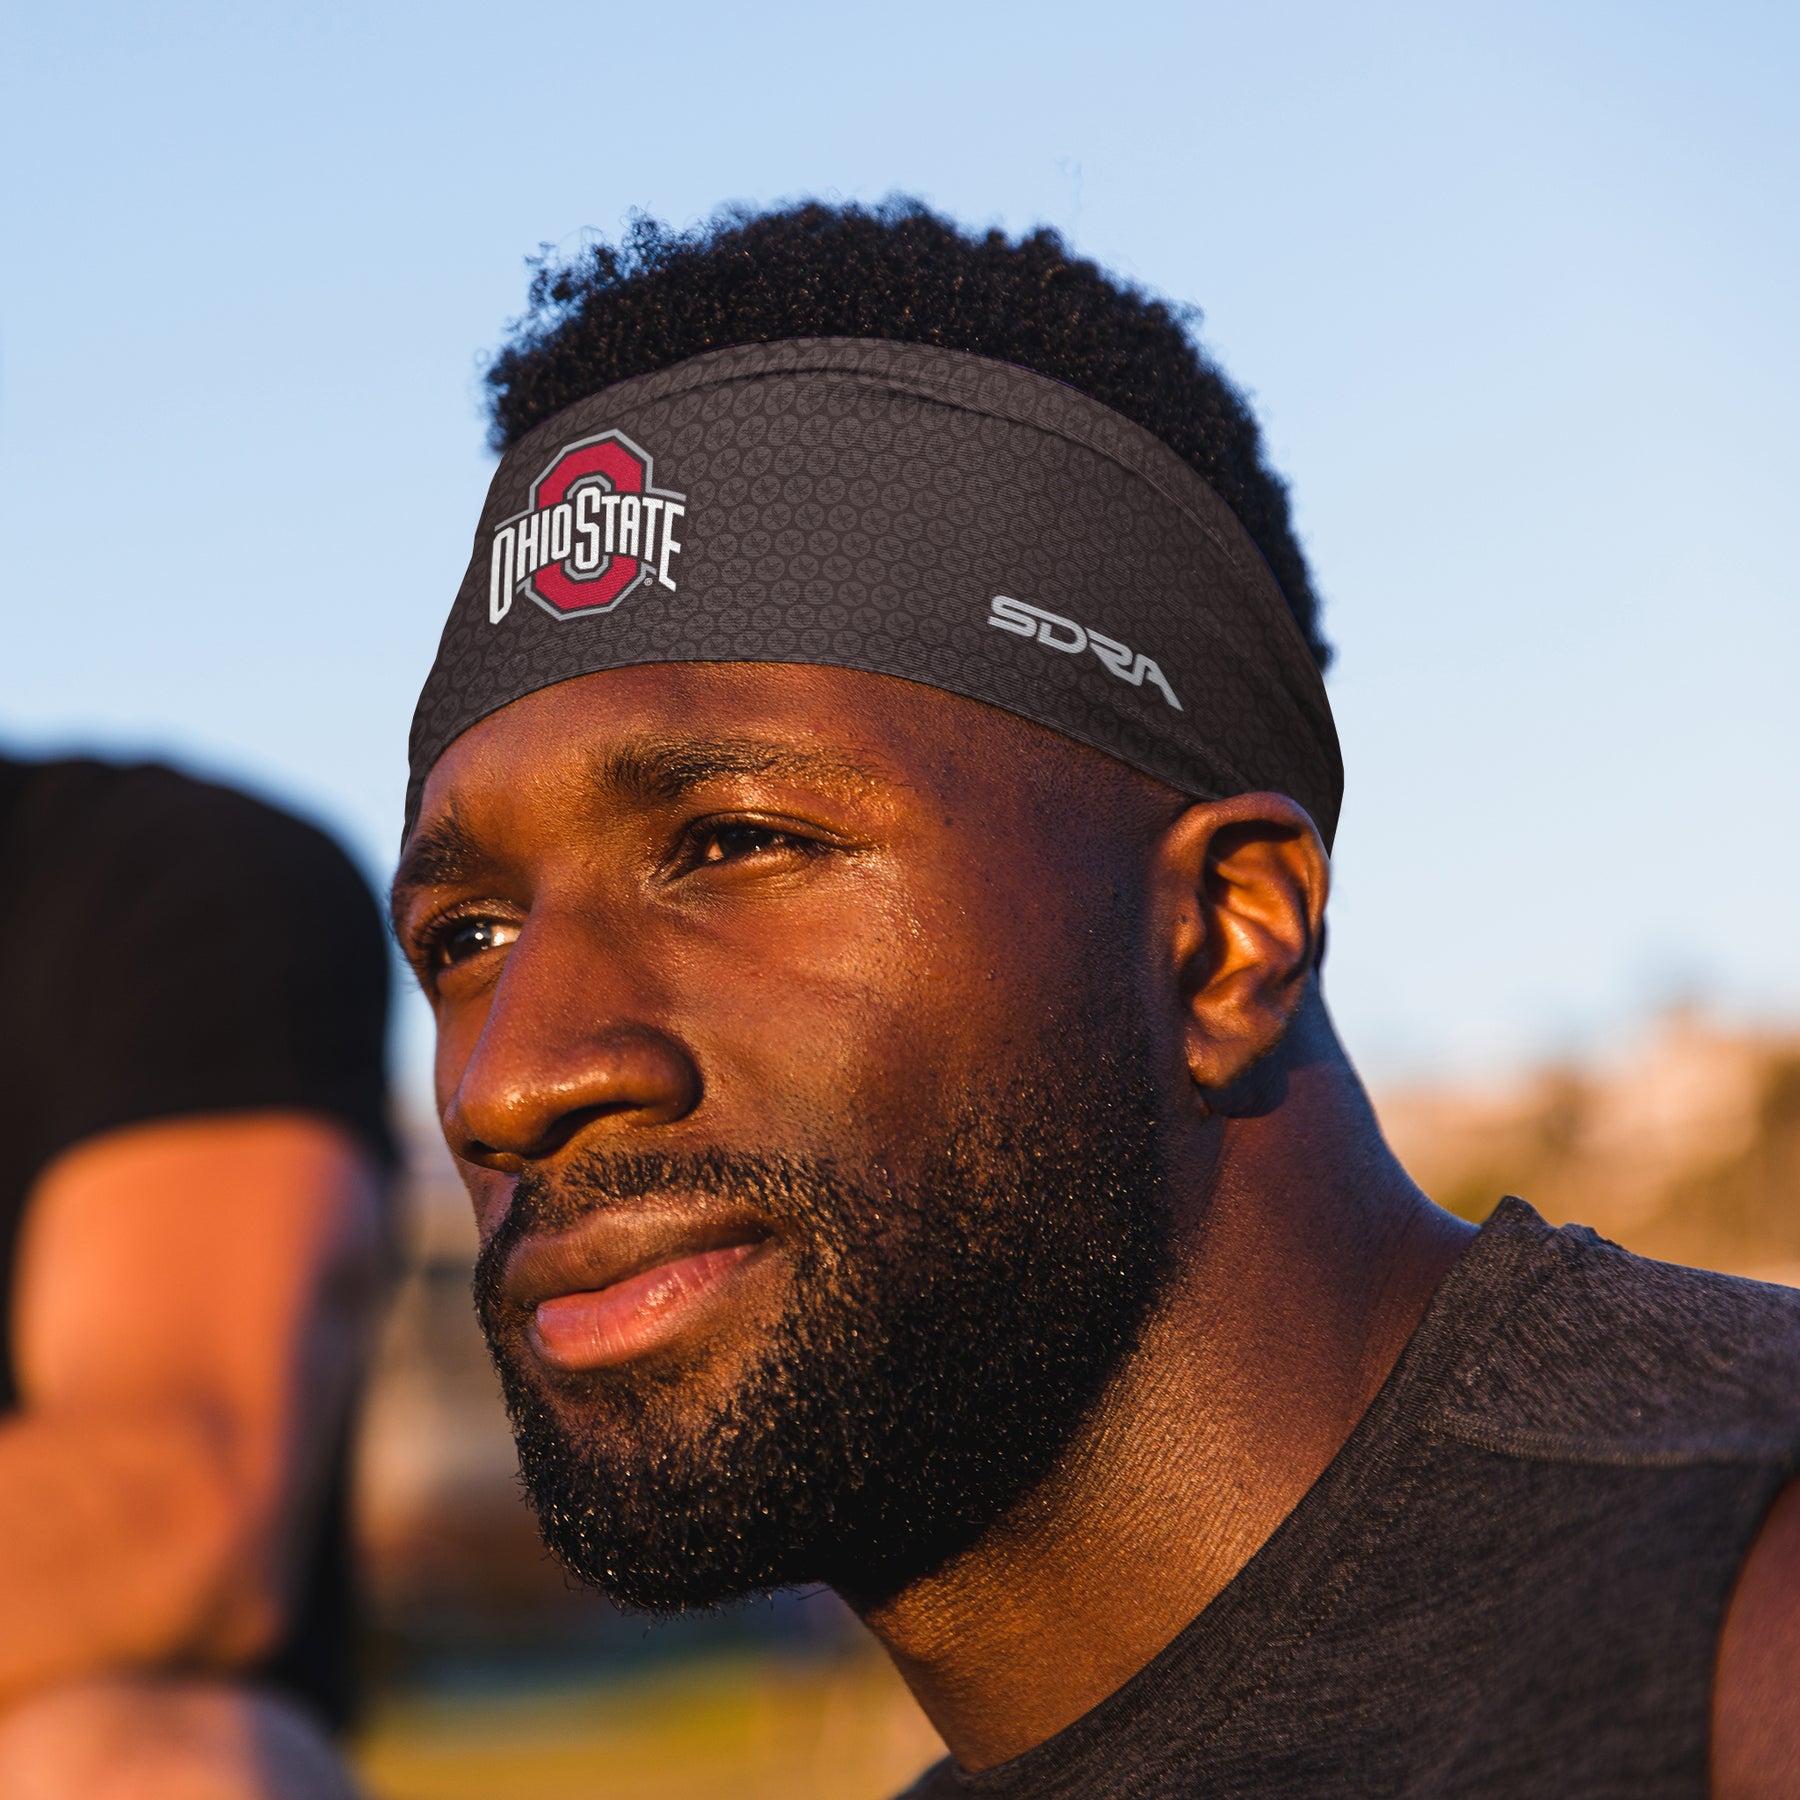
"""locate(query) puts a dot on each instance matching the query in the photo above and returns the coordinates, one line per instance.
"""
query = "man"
(867, 857)
(191, 1094)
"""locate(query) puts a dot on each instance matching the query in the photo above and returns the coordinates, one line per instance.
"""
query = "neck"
(1305, 1259)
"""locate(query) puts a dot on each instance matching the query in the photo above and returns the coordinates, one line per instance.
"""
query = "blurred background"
(1512, 291)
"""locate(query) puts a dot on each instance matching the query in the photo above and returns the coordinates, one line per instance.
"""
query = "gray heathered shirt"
(1510, 1581)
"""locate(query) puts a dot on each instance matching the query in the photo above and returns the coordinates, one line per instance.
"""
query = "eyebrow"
(655, 771)
(442, 852)
(647, 772)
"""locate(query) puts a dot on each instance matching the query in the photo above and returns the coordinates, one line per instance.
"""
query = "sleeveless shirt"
(1509, 1581)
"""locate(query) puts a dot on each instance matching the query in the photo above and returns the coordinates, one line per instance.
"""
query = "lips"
(621, 1285)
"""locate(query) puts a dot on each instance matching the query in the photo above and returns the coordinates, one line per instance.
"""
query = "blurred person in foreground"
(193, 990)
(867, 855)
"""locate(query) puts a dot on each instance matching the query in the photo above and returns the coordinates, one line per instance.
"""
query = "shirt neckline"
(1218, 1661)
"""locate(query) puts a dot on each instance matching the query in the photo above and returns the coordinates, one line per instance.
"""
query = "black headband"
(904, 510)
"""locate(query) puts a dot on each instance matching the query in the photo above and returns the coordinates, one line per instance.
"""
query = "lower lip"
(632, 1317)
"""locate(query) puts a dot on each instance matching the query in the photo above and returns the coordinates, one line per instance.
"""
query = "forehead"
(838, 724)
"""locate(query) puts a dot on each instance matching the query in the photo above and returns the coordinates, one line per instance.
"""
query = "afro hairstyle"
(896, 271)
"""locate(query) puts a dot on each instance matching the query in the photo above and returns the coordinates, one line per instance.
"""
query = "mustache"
(783, 1188)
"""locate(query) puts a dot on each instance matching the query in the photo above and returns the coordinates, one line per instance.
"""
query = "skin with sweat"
(750, 908)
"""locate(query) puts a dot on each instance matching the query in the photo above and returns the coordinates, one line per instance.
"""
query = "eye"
(732, 843)
(461, 940)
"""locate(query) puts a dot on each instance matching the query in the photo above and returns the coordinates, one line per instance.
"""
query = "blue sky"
(1513, 288)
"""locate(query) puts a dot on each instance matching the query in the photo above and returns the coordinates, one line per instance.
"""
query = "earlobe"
(1244, 884)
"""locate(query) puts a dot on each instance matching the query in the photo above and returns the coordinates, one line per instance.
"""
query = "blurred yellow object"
(748, 1727)
(1685, 1146)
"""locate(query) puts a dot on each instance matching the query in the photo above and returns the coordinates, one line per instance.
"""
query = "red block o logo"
(596, 529)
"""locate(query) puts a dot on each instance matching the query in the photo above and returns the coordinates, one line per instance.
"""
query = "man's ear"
(1241, 890)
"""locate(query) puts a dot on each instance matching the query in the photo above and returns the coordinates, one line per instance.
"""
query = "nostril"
(521, 1100)
(484, 1156)
(572, 1121)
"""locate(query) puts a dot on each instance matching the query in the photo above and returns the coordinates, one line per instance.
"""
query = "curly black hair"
(900, 271)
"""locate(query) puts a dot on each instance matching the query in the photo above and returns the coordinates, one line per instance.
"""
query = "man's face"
(795, 1038)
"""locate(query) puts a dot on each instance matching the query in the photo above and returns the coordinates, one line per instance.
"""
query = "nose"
(566, 1045)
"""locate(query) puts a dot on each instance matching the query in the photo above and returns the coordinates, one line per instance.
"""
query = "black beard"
(943, 1341)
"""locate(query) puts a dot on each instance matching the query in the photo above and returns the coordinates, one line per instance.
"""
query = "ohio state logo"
(595, 531)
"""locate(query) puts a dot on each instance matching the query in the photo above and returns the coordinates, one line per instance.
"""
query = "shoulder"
(1591, 1350)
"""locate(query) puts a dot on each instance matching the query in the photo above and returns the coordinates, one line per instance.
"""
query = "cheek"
(868, 1018)
(796, 1032)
